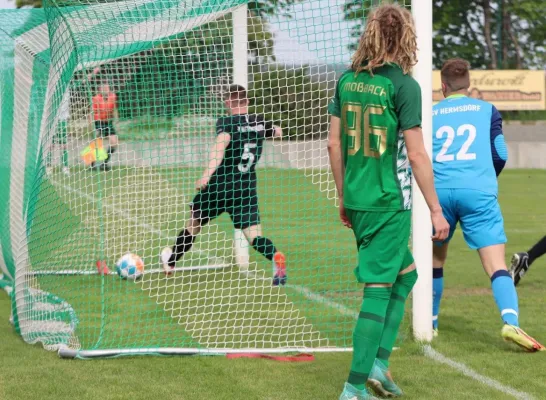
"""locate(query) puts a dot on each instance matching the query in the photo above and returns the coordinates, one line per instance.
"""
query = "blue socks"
(504, 293)
(437, 291)
(505, 296)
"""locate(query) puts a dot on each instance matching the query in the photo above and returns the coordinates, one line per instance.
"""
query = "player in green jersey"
(375, 135)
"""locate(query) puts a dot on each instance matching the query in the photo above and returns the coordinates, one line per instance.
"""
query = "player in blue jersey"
(469, 153)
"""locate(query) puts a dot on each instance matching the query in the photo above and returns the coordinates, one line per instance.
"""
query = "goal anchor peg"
(102, 268)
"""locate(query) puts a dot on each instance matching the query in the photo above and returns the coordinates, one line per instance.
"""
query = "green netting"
(169, 63)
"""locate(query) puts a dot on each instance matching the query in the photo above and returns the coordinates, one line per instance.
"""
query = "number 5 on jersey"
(248, 157)
(374, 137)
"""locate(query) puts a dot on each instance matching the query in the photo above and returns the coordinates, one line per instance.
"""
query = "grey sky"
(315, 33)
(7, 4)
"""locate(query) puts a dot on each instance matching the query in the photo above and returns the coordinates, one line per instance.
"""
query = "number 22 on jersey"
(374, 137)
(449, 132)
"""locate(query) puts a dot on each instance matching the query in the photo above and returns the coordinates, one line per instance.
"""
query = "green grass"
(223, 308)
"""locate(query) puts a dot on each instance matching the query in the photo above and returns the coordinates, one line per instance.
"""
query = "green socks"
(395, 313)
(367, 333)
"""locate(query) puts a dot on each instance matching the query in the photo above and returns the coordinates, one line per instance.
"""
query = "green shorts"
(382, 239)
(61, 133)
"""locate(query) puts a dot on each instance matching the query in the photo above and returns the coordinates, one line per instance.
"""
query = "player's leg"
(381, 251)
(109, 132)
(265, 247)
(506, 297)
(113, 141)
(380, 379)
(99, 133)
(184, 241)
(439, 253)
(522, 261)
(483, 229)
(439, 257)
(245, 214)
(206, 206)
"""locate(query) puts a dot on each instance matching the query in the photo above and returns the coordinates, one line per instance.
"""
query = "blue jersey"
(468, 145)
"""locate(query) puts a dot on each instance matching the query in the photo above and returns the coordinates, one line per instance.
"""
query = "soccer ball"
(130, 266)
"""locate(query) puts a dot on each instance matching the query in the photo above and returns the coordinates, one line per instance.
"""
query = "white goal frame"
(240, 77)
(422, 226)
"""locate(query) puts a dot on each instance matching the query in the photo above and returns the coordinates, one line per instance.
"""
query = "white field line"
(116, 210)
(343, 310)
(427, 349)
(465, 370)
(163, 235)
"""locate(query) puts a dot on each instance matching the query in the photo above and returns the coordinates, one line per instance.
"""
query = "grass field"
(143, 208)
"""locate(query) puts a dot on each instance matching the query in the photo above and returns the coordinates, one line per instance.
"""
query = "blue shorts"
(479, 214)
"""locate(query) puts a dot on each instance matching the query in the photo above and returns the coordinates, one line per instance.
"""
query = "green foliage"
(357, 11)
(456, 35)
(470, 30)
(265, 8)
(175, 78)
(290, 96)
(28, 3)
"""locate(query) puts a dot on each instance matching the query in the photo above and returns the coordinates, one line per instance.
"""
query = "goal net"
(147, 79)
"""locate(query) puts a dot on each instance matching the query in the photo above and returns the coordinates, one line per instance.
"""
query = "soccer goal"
(108, 113)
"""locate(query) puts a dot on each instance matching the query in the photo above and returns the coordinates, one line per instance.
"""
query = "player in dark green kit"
(229, 184)
(375, 135)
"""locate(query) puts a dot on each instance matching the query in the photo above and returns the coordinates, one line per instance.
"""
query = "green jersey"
(374, 111)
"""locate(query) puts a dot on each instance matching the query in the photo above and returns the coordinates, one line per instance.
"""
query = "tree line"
(176, 77)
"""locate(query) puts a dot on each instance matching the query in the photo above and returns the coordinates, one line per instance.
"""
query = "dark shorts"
(217, 198)
(105, 128)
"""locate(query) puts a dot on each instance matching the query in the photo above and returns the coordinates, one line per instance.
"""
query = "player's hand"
(440, 225)
(96, 70)
(202, 183)
(343, 215)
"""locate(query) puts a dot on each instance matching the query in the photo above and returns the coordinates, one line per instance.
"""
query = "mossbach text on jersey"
(362, 87)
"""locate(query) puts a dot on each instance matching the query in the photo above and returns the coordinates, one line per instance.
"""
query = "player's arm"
(335, 151)
(272, 131)
(334, 142)
(335, 154)
(421, 167)
(216, 157)
(336, 164)
(408, 109)
(422, 170)
(498, 144)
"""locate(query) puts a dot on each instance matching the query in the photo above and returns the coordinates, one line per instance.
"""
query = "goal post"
(240, 77)
(167, 61)
(422, 227)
